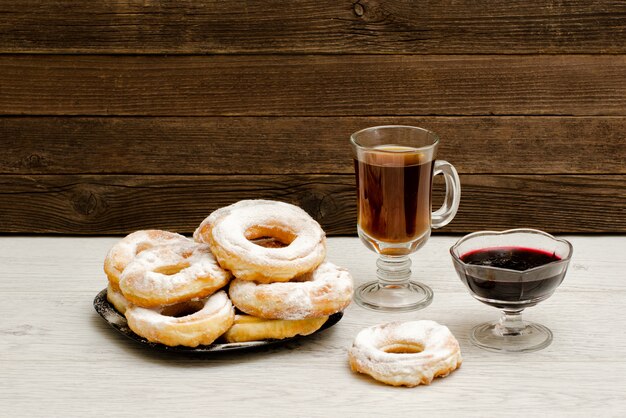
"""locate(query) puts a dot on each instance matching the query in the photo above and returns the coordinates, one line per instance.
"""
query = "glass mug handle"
(443, 215)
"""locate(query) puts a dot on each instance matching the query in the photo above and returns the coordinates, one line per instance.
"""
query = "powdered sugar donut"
(251, 328)
(115, 298)
(172, 273)
(188, 323)
(231, 230)
(324, 291)
(125, 250)
(405, 353)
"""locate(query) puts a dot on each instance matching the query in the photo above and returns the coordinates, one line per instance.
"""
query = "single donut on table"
(172, 273)
(125, 250)
(115, 298)
(324, 291)
(405, 353)
(190, 323)
(251, 328)
(231, 230)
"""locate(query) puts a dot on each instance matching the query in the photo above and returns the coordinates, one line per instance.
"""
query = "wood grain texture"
(62, 343)
(116, 204)
(313, 85)
(320, 26)
(301, 145)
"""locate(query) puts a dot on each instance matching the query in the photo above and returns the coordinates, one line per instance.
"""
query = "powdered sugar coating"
(251, 328)
(115, 298)
(211, 305)
(372, 352)
(202, 327)
(172, 273)
(125, 250)
(228, 230)
(326, 290)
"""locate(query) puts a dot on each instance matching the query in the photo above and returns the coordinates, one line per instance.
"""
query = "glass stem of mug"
(393, 271)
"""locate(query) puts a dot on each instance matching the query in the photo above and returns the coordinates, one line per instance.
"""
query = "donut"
(324, 291)
(115, 298)
(405, 353)
(125, 250)
(231, 230)
(188, 323)
(172, 273)
(251, 328)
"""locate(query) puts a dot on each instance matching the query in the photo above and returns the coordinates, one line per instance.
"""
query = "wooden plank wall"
(127, 114)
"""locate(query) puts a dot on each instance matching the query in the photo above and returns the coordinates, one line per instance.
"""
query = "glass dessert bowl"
(511, 270)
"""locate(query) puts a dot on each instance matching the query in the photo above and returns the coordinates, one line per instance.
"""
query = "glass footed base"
(403, 297)
(531, 337)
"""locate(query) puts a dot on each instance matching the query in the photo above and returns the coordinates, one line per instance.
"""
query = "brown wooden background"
(124, 114)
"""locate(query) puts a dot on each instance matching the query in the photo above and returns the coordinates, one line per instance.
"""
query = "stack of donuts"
(264, 258)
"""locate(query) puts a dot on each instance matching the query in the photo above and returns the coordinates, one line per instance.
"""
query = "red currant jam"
(500, 286)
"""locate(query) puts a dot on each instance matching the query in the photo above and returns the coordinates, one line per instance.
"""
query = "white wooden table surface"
(59, 358)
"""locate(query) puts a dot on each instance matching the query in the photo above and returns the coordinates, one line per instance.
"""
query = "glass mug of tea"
(394, 167)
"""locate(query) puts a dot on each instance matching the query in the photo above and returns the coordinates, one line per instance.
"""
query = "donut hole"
(404, 348)
(171, 269)
(143, 246)
(268, 242)
(270, 236)
(182, 309)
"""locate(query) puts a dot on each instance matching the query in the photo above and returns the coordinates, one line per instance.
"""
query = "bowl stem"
(511, 323)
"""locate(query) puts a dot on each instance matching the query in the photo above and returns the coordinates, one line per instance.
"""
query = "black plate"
(118, 321)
